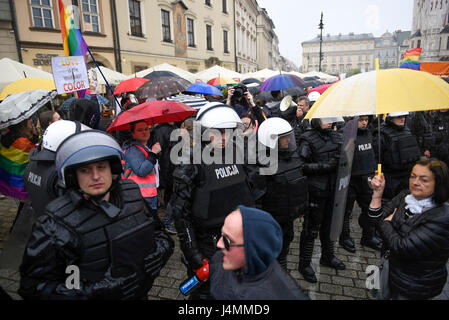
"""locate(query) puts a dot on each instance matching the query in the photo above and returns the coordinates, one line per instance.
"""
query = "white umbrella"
(20, 106)
(165, 67)
(217, 71)
(113, 77)
(12, 70)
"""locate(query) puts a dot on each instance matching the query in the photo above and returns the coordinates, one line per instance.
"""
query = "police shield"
(12, 254)
(343, 177)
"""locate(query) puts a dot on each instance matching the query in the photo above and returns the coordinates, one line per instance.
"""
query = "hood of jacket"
(262, 237)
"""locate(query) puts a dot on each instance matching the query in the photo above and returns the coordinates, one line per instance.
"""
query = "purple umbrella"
(281, 82)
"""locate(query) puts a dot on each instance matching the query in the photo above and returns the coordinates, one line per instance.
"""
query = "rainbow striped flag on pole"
(411, 59)
(72, 39)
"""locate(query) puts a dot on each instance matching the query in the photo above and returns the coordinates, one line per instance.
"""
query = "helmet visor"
(287, 142)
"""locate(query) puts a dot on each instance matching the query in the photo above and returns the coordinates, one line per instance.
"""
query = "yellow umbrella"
(27, 84)
(381, 92)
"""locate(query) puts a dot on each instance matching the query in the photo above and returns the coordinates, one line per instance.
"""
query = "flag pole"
(107, 83)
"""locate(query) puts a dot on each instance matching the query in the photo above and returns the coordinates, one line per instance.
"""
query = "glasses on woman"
(228, 244)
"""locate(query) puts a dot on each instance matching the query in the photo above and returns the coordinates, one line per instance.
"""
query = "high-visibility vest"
(146, 184)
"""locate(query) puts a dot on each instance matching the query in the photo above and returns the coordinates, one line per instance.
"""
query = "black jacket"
(75, 232)
(419, 248)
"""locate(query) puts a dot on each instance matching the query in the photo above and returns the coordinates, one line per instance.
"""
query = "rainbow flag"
(13, 161)
(72, 39)
(411, 59)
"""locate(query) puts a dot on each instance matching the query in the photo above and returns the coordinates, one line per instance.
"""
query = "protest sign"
(69, 74)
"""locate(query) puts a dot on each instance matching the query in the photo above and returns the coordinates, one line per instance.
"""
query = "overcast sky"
(297, 20)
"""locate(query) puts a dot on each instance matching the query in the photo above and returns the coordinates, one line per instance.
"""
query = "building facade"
(265, 38)
(246, 12)
(132, 35)
(386, 49)
(430, 29)
(39, 33)
(341, 53)
(8, 47)
(191, 34)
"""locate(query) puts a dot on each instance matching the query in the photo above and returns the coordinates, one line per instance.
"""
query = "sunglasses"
(433, 163)
(228, 244)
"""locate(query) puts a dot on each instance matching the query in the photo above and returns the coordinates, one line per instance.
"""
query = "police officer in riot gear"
(420, 124)
(286, 190)
(363, 168)
(320, 150)
(399, 152)
(441, 131)
(101, 226)
(40, 177)
(204, 192)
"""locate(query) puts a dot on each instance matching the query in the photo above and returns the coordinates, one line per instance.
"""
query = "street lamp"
(321, 27)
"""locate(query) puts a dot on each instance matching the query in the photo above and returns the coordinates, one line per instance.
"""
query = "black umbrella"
(264, 95)
(251, 80)
(296, 91)
(162, 84)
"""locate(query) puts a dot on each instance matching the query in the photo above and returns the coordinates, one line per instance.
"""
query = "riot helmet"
(277, 132)
(84, 148)
(218, 116)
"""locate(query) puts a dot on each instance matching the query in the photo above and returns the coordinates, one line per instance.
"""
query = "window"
(225, 41)
(418, 45)
(135, 18)
(166, 34)
(42, 13)
(207, 3)
(225, 6)
(190, 33)
(209, 37)
(90, 15)
(447, 44)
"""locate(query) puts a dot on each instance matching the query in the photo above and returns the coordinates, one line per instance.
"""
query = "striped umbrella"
(192, 101)
(221, 82)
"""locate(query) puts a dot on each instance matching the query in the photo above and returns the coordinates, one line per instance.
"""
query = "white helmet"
(219, 116)
(272, 129)
(398, 114)
(58, 131)
(313, 96)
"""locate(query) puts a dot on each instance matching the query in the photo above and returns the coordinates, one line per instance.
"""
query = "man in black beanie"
(246, 267)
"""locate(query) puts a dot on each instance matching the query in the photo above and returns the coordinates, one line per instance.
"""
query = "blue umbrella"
(281, 82)
(204, 88)
(66, 104)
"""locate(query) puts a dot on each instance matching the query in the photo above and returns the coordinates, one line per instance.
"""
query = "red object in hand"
(203, 273)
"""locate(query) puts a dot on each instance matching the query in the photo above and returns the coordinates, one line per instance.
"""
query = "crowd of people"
(96, 198)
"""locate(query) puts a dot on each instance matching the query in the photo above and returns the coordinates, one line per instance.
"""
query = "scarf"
(418, 206)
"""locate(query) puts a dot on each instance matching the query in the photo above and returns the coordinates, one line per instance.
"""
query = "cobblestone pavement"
(346, 284)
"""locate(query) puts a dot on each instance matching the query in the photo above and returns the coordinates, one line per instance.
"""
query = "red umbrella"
(129, 85)
(152, 112)
(321, 88)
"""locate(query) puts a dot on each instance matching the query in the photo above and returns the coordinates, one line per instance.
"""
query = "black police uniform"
(119, 247)
(286, 197)
(41, 180)
(420, 124)
(399, 153)
(203, 195)
(320, 150)
(441, 131)
(363, 167)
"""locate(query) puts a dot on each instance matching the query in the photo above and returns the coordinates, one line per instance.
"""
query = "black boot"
(370, 240)
(305, 257)
(345, 239)
(328, 258)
